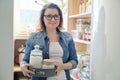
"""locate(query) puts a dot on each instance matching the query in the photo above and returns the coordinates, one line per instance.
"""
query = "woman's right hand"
(26, 71)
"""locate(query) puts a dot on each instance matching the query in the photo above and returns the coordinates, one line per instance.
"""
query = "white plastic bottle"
(36, 57)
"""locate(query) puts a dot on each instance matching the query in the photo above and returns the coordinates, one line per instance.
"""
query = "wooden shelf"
(21, 37)
(82, 41)
(18, 75)
(17, 68)
(83, 15)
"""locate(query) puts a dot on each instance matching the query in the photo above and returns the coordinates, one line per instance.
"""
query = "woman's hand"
(62, 66)
(26, 71)
(59, 67)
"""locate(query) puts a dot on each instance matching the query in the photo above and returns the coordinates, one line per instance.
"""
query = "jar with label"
(36, 57)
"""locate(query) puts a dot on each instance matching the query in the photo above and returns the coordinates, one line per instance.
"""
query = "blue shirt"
(41, 39)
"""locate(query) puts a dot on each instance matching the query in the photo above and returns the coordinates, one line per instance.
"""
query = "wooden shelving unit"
(18, 41)
(78, 10)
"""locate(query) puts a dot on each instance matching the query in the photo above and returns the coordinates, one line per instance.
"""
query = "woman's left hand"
(62, 66)
(59, 67)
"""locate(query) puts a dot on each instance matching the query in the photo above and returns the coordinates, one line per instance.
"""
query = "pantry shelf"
(82, 41)
(82, 15)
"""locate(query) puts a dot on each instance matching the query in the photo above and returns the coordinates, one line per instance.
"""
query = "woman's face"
(51, 18)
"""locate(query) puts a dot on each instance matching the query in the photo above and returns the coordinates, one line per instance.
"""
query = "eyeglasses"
(49, 17)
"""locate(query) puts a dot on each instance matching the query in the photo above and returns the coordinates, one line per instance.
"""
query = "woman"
(53, 42)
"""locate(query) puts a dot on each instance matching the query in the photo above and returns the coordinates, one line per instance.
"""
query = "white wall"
(105, 46)
(6, 39)
(112, 8)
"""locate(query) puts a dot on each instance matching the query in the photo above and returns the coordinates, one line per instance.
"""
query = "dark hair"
(41, 25)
